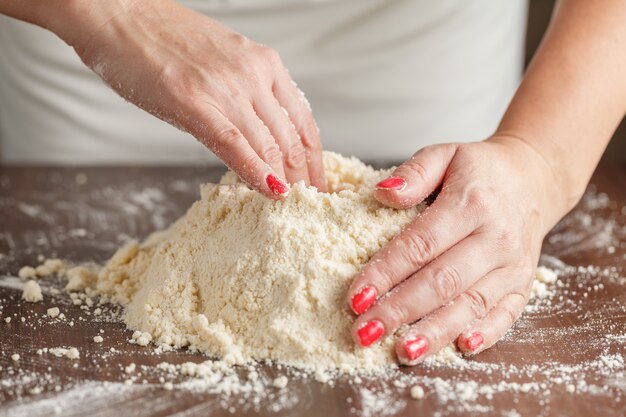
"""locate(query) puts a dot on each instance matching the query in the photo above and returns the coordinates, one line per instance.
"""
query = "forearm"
(68, 19)
(573, 95)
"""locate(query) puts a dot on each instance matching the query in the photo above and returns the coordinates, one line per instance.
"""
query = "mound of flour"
(242, 278)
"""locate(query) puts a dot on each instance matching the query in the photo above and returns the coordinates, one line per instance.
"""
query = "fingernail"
(392, 183)
(370, 332)
(277, 186)
(475, 341)
(363, 300)
(415, 348)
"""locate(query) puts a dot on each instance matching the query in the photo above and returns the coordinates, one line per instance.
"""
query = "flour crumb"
(32, 292)
(98, 339)
(27, 272)
(70, 353)
(50, 267)
(141, 338)
(53, 312)
(15, 357)
(280, 382)
(417, 392)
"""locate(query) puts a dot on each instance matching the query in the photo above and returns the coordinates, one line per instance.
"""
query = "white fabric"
(384, 77)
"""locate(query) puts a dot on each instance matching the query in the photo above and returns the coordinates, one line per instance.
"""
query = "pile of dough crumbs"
(242, 278)
(107, 295)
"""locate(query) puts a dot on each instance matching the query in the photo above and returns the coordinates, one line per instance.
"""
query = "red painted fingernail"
(474, 341)
(392, 183)
(363, 299)
(415, 348)
(370, 332)
(277, 186)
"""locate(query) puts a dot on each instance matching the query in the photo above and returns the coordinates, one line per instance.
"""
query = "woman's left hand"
(463, 269)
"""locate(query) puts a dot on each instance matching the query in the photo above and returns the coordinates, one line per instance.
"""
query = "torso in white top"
(384, 78)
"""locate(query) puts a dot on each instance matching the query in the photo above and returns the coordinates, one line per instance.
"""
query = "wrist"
(554, 195)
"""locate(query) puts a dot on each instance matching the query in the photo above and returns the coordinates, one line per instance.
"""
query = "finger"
(439, 227)
(284, 132)
(228, 143)
(414, 180)
(257, 134)
(434, 286)
(439, 329)
(292, 99)
(494, 325)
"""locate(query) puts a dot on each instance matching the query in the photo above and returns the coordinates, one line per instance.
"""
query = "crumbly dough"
(53, 312)
(242, 277)
(32, 292)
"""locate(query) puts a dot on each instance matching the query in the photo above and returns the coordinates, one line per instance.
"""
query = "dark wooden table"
(564, 357)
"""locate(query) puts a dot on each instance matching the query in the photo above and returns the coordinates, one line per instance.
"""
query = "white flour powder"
(242, 277)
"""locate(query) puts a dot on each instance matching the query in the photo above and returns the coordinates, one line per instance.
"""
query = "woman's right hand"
(232, 94)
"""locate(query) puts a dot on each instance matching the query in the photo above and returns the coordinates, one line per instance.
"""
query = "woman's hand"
(231, 93)
(463, 269)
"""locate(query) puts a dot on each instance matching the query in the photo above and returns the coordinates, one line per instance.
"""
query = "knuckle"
(295, 157)
(417, 171)
(445, 282)
(270, 56)
(398, 313)
(384, 275)
(272, 154)
(439, 332)
(510, 317)
(240, 39)
(225, 138)
(418, 248)
(309, 135)
(478, 302)
(477, 199)
(510, 314)
(506, 240)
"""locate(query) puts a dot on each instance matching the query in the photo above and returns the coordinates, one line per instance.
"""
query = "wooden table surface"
(564, 357)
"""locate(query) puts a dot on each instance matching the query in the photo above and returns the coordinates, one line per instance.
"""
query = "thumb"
(417, 178)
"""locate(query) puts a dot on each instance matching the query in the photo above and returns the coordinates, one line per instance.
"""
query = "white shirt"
(384, 78)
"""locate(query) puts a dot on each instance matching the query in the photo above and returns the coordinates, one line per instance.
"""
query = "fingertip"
(393, 183)
(471, 343)
(411, 350)
(393, 199)
(368, 332)
(363, 299)
(278, 188)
